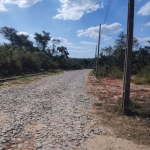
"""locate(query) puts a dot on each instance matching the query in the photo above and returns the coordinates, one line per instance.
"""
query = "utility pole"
(125, 60)
(98, 50)
(95, 67)
(128, 57)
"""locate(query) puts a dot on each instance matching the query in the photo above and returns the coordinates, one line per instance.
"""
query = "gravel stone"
(19, 146)
(48, 113)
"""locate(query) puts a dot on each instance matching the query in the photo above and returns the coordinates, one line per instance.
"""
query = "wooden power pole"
(98, 50)
(128, 58)
(95, 67)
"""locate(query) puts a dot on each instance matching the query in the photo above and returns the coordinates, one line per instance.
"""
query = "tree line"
(111, 61)
(22, 56)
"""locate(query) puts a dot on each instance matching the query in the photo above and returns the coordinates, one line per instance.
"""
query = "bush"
(143, 77)
(116, 73)
(103, 71)
(16, 60)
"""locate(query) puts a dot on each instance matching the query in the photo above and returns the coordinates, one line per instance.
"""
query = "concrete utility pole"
(128, 57)
(98, 50)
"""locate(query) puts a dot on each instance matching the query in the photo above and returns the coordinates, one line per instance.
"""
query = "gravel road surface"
(48, 114)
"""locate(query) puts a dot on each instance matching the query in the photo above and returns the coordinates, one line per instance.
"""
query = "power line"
(105, 18)
(107, 11)
(110, 4)
(100, 33)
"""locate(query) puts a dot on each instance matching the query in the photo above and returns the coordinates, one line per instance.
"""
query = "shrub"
(116, 73)
(143, 77)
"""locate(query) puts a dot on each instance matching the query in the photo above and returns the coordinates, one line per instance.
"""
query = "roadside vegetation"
(1, 84)
(111, 61)
(111, 67)
(108, 89)
(22, 56)
(143, 77)
(17, 80)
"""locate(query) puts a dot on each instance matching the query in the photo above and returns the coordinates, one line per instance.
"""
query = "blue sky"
(75, 22)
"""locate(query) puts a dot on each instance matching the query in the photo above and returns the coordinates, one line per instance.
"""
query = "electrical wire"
(107, 11)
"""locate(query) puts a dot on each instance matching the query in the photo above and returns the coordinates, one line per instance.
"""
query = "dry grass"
(26, 80)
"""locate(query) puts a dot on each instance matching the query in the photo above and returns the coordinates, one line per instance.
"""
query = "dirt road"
(47, 114)
(53, 113)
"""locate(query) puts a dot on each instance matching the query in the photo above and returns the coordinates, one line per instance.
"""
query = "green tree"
(42, 39)
(16, 39)
(119, 49)
(23, 41)
(106, 56)
(10, 34)
(108, 50)
(63, 52)
(55, 42)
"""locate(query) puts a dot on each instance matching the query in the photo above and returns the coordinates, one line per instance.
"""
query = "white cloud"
(147, 24)
(78, 48)
(105, 38)
(2, 7)
(20, 3)
(143, 39)
(76, 51)
(64, 42)
(87, 43)
(144, 10)
(106, 29)
(81, 52)
(75, 9)
(26, 33)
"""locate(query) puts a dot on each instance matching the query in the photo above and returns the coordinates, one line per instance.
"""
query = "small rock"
(96, 131)
(19, 139)
(19, 146)
(83, 147)
(38, 145)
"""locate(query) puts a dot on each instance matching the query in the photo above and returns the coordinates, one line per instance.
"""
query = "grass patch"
(137, 80)
(106, 71)
(116, 73)
(143, 77)
(24, 79)
(54, 72)
(28, 79)
(135, 108)
(132, 104)
(98, 104)
(142, 80)
(1, 83)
